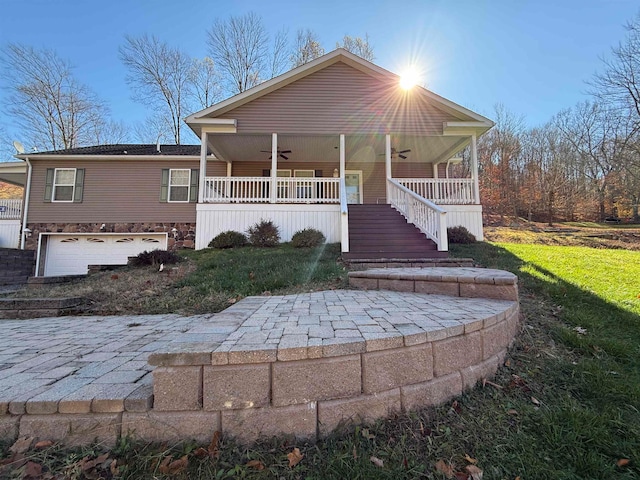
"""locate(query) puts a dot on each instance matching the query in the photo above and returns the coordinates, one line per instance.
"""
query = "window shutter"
(317, 173)
(48, 185)
(164, 187)
(79, 190)
(193, 191)
(266, 173)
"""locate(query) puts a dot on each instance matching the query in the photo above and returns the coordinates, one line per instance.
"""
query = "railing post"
(474, 169)
(443, 240)
(203, 167)
(274, 167)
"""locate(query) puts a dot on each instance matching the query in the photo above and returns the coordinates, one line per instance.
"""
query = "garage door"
(72, 254)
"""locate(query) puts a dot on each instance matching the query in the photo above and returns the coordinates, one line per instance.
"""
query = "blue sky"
(532, 56)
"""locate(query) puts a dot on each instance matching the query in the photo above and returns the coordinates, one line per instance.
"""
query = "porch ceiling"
(323, 148)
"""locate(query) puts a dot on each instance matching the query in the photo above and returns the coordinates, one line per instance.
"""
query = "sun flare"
(410, 78)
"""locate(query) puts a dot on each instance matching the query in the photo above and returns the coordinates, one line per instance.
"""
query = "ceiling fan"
(281, 153)
(397, 153)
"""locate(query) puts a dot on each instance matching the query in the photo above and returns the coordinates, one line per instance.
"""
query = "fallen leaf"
(32, 470)
(475, 472)
(200, 453)
(232, 300)
(580, 330)
(214, 446)
(21, 445)
(512, 411)
(507, 363)
(376, 461)
(355, 453)
(461, 476)
(43, 444)
(470, 460)
(115, 470)
(367, 435)
(623, 462)
(169, 467)
(294, 457)
(445, 468)
(535, 401)
(455, 407)
(257, 464)
(114, 277)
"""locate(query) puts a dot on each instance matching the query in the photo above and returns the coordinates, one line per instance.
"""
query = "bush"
(460, 234)
(309, 237)
(264, 234)
(155, 258)
(229, 239)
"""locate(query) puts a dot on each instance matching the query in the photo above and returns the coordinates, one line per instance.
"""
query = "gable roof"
(207, 115)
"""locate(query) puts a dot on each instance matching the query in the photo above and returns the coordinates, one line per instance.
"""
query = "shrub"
(309, 237)
(228, 239)
(264, 234)
(154, 257)
(460, 234)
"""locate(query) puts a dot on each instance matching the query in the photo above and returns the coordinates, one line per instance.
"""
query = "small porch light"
(27, 232)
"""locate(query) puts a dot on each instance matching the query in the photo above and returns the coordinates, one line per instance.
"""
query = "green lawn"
(566, 404)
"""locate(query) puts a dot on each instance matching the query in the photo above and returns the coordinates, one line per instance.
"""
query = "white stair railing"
(424, 214)
(443, 191)
(344, 217)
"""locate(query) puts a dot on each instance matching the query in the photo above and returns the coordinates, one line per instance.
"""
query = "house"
(305, 149)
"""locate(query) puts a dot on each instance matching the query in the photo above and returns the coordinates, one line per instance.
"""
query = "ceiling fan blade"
(285, 151)
(402, 156)
(285, 157)
(265, 151)
(405, 151)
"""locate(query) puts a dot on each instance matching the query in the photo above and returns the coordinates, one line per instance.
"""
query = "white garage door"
(71, 254)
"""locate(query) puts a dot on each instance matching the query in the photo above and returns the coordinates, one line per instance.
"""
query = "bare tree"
(358, 46)
(619, 84)
(306, 48)
(205, 81)
(280, 53)
(160, 76)
(239, 47)
(110, 132)
(54, 109)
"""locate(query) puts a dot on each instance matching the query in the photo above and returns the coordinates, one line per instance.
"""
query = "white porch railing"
(424, 214)
(444, 191)
(10, 209)
(257, 190)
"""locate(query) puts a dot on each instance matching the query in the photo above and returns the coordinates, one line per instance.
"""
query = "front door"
(353, 184)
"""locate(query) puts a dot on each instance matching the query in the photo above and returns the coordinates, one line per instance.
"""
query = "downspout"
(27, 193)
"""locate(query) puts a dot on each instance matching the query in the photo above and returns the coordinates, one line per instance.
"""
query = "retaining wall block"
(236, 386)
(177, 388)
(171, 426)
(388, 369)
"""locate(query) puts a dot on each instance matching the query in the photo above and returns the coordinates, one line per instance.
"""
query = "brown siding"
(340, 99)
(411, 170)
(114, 191)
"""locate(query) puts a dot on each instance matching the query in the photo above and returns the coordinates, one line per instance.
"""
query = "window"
(179, 183)
(64, 185)
(64, 182)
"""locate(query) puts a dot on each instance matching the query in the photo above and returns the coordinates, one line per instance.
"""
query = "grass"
(566, 404)
(206, 281)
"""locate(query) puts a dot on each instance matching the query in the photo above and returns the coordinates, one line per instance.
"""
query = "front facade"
(297, 150)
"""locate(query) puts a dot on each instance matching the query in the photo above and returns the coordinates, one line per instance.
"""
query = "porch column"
(387, 158)
(474, 168)
(342, 156)
(203, 167)
(274, 167)
(228, 169)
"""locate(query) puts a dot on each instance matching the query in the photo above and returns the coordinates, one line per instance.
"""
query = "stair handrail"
(344, 217)
(424, 214)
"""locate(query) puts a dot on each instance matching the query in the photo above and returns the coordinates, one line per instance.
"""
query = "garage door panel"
(71, 255)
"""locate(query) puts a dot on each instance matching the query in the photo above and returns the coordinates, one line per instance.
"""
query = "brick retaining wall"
(16, 266)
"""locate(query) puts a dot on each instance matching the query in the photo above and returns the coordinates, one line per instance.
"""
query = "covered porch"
(310, 180)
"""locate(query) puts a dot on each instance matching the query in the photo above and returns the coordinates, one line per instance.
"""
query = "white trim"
(27, 194)
(342, 155)
(188, 185)
(55, 185)
(99, 157)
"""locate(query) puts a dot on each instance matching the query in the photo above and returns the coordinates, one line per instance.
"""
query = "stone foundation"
(185, 237)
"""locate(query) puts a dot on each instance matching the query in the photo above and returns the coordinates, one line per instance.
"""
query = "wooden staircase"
(380, 232)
